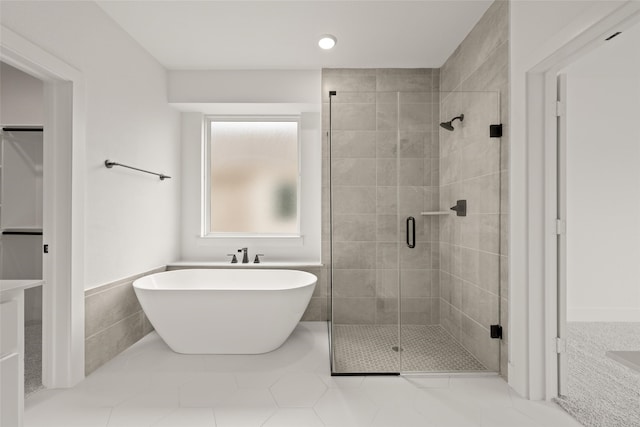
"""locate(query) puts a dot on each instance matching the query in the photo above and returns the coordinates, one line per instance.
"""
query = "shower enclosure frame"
(495, 329)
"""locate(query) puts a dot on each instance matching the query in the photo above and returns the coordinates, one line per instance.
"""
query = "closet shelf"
(30, 231)
(436, 213)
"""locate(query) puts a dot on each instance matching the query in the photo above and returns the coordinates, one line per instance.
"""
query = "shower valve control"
(460, 208)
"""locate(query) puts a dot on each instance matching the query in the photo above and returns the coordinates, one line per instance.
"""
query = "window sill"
(251, 240)
(213, 264)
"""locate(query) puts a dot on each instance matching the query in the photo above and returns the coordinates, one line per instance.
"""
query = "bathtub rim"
(143, 283)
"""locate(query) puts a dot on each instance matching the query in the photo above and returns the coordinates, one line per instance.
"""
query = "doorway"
(599, 239)
(63, 207)
(21, 204)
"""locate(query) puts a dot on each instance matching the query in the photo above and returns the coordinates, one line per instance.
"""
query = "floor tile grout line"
(110, 415)
(215, 419)
(166, 415)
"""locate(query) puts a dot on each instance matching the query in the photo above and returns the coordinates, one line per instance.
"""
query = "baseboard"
(603, 314)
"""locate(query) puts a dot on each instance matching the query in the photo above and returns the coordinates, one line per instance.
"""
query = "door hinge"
(561, 345)
(561, 227)
(561, 108)
(496, 331)
(495, 131)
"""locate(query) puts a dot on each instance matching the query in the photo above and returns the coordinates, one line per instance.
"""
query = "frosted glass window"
(254, 177)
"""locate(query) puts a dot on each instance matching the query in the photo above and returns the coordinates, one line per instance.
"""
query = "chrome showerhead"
(449, 125)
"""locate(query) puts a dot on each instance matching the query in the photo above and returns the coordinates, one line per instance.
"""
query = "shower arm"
(460, 117)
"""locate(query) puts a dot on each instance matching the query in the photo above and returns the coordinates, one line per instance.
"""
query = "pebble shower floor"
(369, 348)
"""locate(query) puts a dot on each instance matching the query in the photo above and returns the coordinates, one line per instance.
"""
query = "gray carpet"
(32, 358)
(600, 391)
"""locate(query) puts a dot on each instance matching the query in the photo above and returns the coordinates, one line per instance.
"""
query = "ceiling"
(198, 35)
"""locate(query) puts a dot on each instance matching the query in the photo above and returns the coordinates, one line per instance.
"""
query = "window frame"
(206, 196)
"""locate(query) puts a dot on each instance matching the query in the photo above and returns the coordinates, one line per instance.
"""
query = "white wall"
(131, 222)
(538, 30)
(239, 86)
(21, 208)
(21, 101)
(603, 184)
(249, 92)
(20, 97)
(22, 180)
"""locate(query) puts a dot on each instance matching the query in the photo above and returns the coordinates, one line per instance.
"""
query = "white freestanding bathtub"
(225, 311)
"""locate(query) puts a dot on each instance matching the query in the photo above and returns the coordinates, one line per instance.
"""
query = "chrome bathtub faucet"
(245, 255)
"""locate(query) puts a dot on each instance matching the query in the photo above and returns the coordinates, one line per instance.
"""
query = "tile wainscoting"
(113, 320)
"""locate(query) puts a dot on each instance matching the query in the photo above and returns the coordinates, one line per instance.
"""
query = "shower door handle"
(411, 232)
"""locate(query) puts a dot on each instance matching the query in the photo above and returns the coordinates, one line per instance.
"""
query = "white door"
(561, 233)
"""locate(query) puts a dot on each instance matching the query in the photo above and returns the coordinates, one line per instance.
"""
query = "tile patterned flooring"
(368, 348)
(149, 385)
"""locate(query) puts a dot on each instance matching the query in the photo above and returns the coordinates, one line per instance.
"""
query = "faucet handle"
(234, 260)
(256, 260)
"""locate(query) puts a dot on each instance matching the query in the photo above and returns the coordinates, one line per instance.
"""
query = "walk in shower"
(414, 229)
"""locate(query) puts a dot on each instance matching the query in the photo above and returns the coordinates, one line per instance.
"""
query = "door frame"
(561, 236)
(63, 206)
(542, 193)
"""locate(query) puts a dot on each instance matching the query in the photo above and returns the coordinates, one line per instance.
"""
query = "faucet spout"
(245, 255)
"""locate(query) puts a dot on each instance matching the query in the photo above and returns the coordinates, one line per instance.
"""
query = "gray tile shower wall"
(114, 320)
(474, 267)
(317, 309)
(377, 183)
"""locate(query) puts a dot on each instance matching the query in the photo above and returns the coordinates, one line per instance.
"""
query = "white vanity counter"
(12, 349)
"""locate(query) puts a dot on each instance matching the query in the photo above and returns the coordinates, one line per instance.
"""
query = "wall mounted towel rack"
(109, 164)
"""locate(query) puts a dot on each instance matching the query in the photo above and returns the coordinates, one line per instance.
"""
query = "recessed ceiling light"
(327, 41)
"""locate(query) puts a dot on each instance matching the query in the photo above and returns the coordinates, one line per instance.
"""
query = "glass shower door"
(418, 226)
(450, 279)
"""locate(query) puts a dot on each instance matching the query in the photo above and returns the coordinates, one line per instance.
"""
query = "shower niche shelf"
(429, 213)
